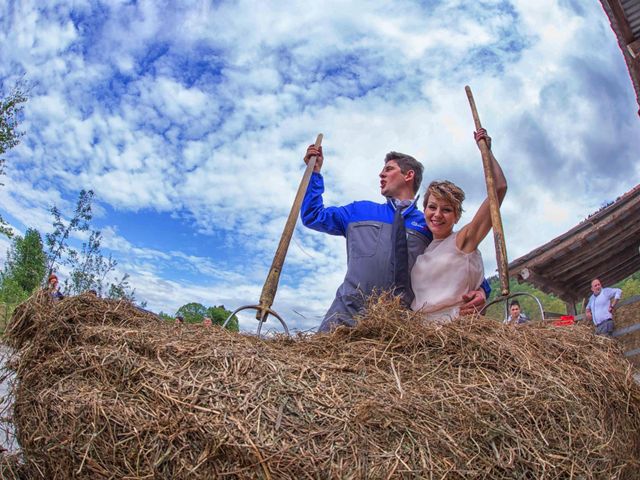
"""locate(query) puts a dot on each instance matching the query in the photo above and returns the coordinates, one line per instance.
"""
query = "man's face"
(515, 311)
(392, 181)
(596, 287)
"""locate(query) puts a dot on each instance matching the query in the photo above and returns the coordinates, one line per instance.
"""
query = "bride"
(452, 264)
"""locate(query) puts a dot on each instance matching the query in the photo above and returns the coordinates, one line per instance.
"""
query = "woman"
(451, 265)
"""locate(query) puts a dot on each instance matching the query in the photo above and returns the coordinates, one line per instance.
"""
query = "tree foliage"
(219, 315)
(24, 269)
(58, 240)
(89, 268)
(192, 312)
(26, 261)
(195, 312)
(11, 107)
(630, 286)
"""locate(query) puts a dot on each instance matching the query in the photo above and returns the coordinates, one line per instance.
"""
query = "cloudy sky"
(189, 120)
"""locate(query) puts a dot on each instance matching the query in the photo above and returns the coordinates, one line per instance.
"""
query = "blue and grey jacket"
(368, 228)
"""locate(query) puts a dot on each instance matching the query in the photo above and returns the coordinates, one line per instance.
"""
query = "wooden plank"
(626, 330)
(608, 268)
(548, 286)
(619, 239)
(632, 353)
(629, 201)
(621, 20)
(584, 253)
(634, 49)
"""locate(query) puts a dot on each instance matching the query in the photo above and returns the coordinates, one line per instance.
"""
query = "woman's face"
(440, 216)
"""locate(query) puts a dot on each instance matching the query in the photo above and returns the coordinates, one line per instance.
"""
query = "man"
(601, 306)
(515, 314)
(374, 262)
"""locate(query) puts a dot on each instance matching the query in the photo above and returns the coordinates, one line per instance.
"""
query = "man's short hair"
(515, 302)
(407, 163)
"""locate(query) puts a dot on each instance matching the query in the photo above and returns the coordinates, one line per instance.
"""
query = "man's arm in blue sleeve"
(315, 215)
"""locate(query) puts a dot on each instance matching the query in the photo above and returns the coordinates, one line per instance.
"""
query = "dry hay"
(106, 391)
(625, 316)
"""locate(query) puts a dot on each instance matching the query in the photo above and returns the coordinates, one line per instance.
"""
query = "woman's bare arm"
(474, 232)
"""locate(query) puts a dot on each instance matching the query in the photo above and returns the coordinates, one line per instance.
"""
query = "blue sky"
(189, 121)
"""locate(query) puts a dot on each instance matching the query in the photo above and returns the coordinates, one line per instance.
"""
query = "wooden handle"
(271, 283)
(494, 204)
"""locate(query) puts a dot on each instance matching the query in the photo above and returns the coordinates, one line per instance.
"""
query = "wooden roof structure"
(606, 245)
(624, 16)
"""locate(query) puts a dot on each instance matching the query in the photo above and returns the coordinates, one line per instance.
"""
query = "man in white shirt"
(601, 306)
(515, 314)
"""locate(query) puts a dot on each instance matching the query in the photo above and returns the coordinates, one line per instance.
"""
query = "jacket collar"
(412, 206)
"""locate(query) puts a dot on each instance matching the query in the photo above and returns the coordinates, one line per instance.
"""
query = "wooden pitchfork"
(271, 283)
(496, 219)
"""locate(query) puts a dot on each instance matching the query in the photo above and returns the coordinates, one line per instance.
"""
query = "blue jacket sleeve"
(332, 220)
(485, 286)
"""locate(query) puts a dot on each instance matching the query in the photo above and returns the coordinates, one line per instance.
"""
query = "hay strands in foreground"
(271, 283)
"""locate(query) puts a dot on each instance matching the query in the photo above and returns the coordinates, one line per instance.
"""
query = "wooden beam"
(632, 353)
(571, 308)
(619, 239)
(558, 250)
(621, 20)
(582, 285)
(604, 264)
(614, 255)
(546, 285)
(634, 49)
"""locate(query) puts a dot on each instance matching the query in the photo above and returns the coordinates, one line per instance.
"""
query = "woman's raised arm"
(474, 232)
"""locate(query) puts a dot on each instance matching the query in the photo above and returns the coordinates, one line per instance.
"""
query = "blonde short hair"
(447, 191)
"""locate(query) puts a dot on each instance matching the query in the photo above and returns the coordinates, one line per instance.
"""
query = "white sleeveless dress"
(441, 275)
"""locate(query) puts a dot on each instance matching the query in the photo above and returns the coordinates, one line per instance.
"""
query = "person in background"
(54, 288)
(515, 316)
(206, 321)
(179, 320)
(601, 306)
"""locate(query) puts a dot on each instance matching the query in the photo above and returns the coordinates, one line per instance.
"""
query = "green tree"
(219, 315)
(58, 240)
(11, 107)
(630, 286)
(121, 289)
(11, 293)
(192, 312)
(26, 262)
(195, 312)
(89, 267)
(23, 271)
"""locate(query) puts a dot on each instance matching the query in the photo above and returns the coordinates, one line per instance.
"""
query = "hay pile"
(107, 391)
(626, 316)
